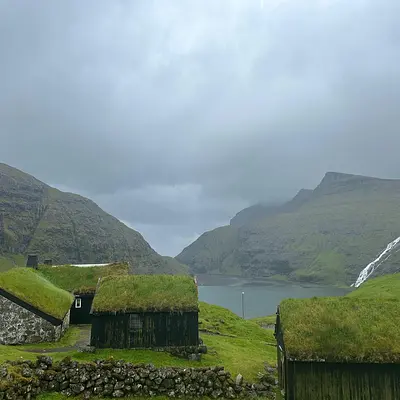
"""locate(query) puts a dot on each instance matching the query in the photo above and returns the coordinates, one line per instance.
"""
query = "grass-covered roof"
(342, 329)
(37, 291)
(139, 293)
(80, 280)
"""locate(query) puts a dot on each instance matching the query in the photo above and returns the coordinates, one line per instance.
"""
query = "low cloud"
(174, 115)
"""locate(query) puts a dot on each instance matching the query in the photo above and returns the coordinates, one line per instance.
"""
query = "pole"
(243, 305)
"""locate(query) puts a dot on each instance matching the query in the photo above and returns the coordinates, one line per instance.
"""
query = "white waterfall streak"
(371, 267)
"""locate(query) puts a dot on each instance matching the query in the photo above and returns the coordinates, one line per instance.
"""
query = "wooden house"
(32, 309)
(81, 281)
(339, 348)
(145, 311)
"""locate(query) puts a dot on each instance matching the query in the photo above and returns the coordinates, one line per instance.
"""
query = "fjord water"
(260, 297)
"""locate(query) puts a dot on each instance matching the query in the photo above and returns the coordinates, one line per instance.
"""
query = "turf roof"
(37, 291)
(139, 293)
(81, 280)
(342, 329)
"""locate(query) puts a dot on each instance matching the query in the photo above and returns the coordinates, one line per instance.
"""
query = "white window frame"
(78, 302)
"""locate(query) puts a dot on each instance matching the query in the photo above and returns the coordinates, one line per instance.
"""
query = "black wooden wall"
(82, 316)
(145, 330)
(344, 381)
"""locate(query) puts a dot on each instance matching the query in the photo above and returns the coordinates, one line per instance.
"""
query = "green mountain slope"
(325, 235)
(68, 228)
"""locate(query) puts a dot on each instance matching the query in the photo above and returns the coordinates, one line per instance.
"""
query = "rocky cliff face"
(323, 235)
(68, 228)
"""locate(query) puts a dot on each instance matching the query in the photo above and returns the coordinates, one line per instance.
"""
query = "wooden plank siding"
(344, 381)
(145, 330)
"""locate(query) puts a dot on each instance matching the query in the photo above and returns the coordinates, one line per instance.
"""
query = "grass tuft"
(37, 291)
(140, 293)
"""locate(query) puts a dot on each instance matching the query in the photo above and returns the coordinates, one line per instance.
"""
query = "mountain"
(68, 228)
(325, 235)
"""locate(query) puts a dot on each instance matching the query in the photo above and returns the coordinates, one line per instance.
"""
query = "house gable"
(21, 323)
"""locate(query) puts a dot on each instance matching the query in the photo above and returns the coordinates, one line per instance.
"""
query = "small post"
(243, 305)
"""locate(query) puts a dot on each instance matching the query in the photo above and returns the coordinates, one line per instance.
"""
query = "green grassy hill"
(386, 287)
(326, 235)
(68, 228)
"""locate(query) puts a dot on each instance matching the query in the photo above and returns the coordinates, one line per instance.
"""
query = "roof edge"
(141, 311)
(53, 320)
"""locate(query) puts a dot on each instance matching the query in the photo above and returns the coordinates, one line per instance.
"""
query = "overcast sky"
(175, 114)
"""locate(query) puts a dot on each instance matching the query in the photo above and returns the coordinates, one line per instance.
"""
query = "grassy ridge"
(146, 293)
(341, 227)
(37, 291)
(68, 228)
(385, 287)
(342, 329)
(80, 279)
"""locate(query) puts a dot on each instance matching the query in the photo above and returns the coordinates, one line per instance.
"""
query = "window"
(78, 302)
(135, 323)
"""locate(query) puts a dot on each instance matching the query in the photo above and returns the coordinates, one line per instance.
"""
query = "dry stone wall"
(19, 325)
(26, 379)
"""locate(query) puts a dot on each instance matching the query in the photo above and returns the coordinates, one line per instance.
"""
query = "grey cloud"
(173, 114)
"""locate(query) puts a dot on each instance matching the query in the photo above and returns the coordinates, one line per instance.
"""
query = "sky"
(173, 115)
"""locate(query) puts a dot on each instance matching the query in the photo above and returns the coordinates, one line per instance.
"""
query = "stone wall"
(19, 325)
(60, 330)
(26, 379)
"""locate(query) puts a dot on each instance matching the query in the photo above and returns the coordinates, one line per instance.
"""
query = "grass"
(386, 287)
(80, 279)
(244, 352)
(37, 291)
(342, 329)
(216, 320)
(146, 293)
(265, 321)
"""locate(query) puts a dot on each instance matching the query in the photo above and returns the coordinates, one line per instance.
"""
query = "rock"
(239, 380)
(87, 349)
(26, 372)
(119, 386)
(48, 361)
(118, 393)
(108, 389)
(98, 390)
(194, 357)
(77, 388)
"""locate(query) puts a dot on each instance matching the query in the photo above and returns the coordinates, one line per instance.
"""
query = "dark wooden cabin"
(145, 311)
(338, 348)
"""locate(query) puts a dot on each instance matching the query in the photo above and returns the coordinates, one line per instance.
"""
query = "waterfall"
(371, 267)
